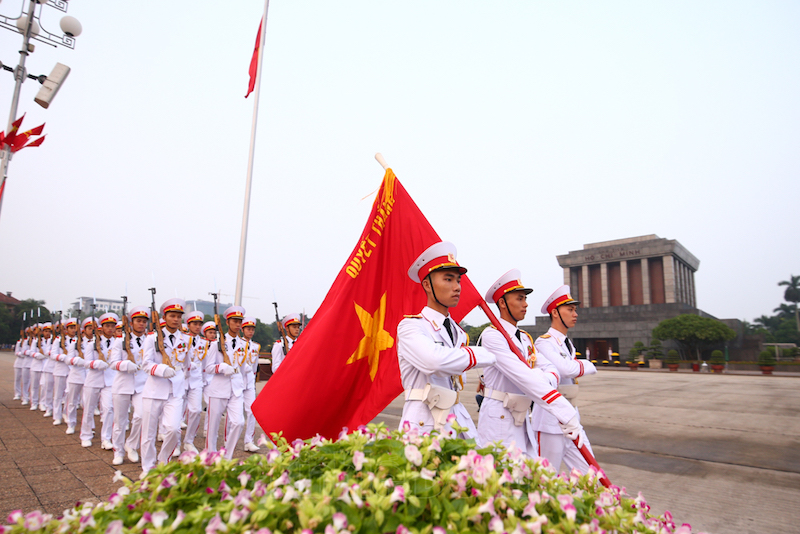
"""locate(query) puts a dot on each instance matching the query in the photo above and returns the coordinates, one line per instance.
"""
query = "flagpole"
(246, 215)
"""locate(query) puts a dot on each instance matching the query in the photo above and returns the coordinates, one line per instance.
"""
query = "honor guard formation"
(151, 384)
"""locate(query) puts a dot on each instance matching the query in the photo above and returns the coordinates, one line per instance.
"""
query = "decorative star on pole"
(375, 339)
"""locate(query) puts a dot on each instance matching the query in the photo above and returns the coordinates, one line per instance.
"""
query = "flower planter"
(766, 369)
(673, 367)
(633, 366)
(717, 368)
(696, 367)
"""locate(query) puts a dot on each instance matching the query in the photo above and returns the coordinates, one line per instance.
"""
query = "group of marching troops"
(148, 385)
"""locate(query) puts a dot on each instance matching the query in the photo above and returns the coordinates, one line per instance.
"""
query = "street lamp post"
(27, 23)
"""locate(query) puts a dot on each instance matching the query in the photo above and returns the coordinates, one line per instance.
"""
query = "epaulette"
(544, 336)
(419, 316)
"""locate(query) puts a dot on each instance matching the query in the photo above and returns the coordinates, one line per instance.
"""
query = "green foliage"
(655, 350)
(673, 357)
(633, 355)
(767, 357)
(717, 358)
(693, 331)
(266, 334)
(474, 332)
(784, 326)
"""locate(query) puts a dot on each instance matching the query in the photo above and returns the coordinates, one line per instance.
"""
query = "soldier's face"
(46, 334)
(194, 327)
(89, 329)
(248, 331)
(294, 330)
(173, 320)
(569, 314)
(138, 325)
(108, 329)
(517, 304)
(211, 334)
(234, 326)
(447, 286)
(72, 330)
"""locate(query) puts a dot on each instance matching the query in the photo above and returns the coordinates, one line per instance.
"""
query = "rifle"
(97, 346)
(220, 335)
(281, 330)
(155, 319)
(63, 333)
(126, 329)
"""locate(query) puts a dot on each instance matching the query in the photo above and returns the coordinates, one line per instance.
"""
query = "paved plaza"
(719, 451)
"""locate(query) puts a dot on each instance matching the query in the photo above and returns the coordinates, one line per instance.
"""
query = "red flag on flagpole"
(254, 62)
(343, 369)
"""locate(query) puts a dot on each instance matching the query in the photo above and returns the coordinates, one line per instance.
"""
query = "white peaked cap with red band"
(248, 321)
(292, 318)
(559, 297)
(234, 312)
(175, 305)
(47, 326)
(71, 321)
(139, 311)
(109, 317)
(441, 255)
(86, 322)
(506, 284)
(209, 325)
(195, 316)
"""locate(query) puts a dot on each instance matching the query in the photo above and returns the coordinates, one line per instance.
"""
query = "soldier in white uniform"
(433, 351)
(226, 386)
(126, 391)
(249, 370)
(27, 361)
(77, 374)
(47, 380)
(198, 350)
(291, 327)
(99, 378)
(60, 354)
(511, 384)
(19, 349)
(39, 351)
(556, 348)
(165, 389)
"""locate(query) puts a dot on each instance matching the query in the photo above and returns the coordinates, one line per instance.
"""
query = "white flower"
(413, 455)
(427, 474)
(358, 460)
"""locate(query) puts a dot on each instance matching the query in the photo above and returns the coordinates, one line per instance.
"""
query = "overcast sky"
(523, 129)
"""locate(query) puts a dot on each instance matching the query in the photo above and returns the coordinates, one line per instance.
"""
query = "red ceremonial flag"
(38, 142)
(15, 126)
(254, 62)
(343, 370)
(35, 131)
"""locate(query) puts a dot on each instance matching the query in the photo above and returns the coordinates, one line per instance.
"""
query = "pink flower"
(178, 520)
(86, 521)
(401, 530)
(343, 433)
(115, 527)
(339, 521)
(570, 511)
(169, 481)
(244, 478)
(487, 507)
(342, 476)
(565, 500)
(496, 525)
(389, 483)
(158, 518)
(398, 495)
(283, 479)
(439, 530)
(237, 515)
(427, 474)
(260, 489)
(435, 446)
(358, 460)
(272, 455)
(34, 520)
(216, 525)
(291, 494)
(413, 455)
(14, 516)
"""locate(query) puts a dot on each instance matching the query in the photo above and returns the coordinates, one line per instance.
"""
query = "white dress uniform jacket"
(198, 350)
(251, 364)
(511, 385)
(221, 386)
(278, 354)
(126, 383)
(59, 357)
(551, 348)
(97, 378)
(427, 355)
(176, 348)
(39, 352)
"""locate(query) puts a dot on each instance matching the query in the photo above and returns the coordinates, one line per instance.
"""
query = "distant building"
(205, 306)
(9, 301)
(101, 305)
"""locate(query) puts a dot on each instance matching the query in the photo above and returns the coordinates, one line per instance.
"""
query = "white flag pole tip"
(379, 158)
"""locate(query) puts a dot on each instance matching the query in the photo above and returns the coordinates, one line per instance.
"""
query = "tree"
(474, 332)
(655, 351)
(792, 294)
(693, 332)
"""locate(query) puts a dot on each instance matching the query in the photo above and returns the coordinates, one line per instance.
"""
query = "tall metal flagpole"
(246, 215)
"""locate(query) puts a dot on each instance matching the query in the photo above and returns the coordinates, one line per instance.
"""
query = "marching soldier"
(198, 349)
(433, 350)
(249, 371)
(41, 347)
(60, 355)
(77, 373)
(555, 347)
(19, 363)
(165, 388)
(27, 361)
(48, 380)
(126, 391)
(511, 384)
(226, 386)
(291, 330)
(99, 378)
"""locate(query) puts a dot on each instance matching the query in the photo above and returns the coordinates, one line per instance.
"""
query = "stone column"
(671, 282)
(623, 275)
(686, 291)
(586, 293)
(604, 284)
(566, 276)
(692, 293)
(645, 281)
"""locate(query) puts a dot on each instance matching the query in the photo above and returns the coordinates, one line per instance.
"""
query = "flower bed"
(372, 480)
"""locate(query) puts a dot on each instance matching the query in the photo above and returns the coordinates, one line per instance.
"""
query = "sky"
(522, 129)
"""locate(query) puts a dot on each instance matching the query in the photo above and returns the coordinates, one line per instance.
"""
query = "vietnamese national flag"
(254, 62)
(343, 370)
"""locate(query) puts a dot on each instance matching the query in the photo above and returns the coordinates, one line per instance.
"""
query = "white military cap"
(119, 324)
(506, 284)
(139, 311)
(292, 318)
(248, 321)
(559, 297)
(108, 317)
(195, 316)
(47, 326)
(86, 322)
(234, 312)
(71, 321)
(209, 325)
(174, 305)
(441, 255)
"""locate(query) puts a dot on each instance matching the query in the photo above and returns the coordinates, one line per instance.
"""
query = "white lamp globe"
(22, 23)
(71, 26)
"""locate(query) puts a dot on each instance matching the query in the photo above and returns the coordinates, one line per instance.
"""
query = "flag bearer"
(77, 373)
(165, 388)
(60, 356)
(433, 350)
(126, 391)
(291, 328)
(556, 348)
(511, 383)
(198, 349)
(249, 371)
(226, 386)
(99, 378)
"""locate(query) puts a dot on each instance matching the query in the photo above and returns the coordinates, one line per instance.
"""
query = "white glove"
(164, 371)
(573, 430)
(588, 367)
(39, 356)
(76, 360)
(131, 367)
(225, 369)
(97, 365)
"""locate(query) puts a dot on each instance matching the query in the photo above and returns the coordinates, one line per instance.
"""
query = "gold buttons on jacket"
(422, 423)
(502, 417)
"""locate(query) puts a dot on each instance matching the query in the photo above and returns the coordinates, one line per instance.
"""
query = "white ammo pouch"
(569, 392)
(516, 404)
(439, 401)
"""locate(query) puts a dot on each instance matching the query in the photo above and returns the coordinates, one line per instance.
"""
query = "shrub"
(672, 356)
(766, 357)
(717, 358)
(655, 351)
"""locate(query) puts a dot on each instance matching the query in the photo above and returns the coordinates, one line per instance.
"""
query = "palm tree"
(792, 294)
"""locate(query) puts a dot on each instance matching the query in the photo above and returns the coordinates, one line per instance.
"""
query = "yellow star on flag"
(375, 339)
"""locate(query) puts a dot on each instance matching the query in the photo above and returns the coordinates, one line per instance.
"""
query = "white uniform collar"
(558, 336)
(434, 317)
(510, 328)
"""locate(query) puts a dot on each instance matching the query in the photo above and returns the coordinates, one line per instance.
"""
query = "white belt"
(517, 404)
(569, 392)
(438, 399)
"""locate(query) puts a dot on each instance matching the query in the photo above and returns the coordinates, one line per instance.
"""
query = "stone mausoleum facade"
(626, 287)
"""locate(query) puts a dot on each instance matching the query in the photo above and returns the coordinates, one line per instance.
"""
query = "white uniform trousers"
(48, 383)
(557, 448)
(35, 386)
(18, 381)
(168, 412)
(122, 402)
(194, 412)
(91, 397)
(59, 387)
(249, 396)
(26, 384)
(74, 399)
(234, 423)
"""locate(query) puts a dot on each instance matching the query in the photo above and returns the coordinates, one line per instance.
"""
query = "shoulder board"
(413, 316)
(544, 336)
(150, 333)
